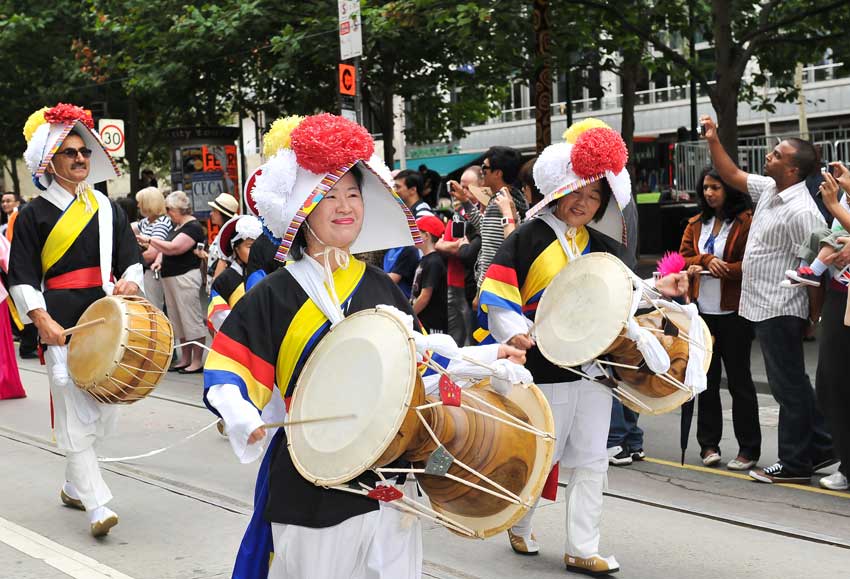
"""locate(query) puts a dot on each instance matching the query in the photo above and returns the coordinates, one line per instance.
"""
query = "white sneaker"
(101, 520)
(835, 482)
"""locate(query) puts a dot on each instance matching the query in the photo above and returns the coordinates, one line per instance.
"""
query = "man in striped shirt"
(785, 215)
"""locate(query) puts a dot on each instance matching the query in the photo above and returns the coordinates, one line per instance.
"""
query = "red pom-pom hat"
(64, 113)
(597, 151)
(326, 142)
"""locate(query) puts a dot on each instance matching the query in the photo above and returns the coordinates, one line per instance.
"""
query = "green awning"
(442, 164)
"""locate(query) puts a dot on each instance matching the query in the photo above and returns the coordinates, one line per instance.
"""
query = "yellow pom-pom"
(571, 135)
(278, 136)
(34, 121)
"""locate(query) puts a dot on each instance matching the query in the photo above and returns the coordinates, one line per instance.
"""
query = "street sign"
(347, 80)
(350, 29)
(350, 114)
(112, 134)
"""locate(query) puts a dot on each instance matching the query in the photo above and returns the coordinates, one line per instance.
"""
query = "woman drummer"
(325, 195)
(578, 179)
(234, 241)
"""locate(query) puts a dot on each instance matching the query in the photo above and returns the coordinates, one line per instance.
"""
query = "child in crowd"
(430, 291)
(825, 243)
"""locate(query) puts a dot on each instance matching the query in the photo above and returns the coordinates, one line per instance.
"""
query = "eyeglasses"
(72, 153)
(485, 168)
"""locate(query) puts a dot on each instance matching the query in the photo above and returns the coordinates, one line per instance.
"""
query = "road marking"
(66, 560)
(705, 469)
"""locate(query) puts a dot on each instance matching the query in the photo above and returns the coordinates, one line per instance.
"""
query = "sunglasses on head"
(72, 153)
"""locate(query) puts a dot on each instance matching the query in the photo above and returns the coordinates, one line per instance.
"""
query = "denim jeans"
(803, 438)
(624, 430)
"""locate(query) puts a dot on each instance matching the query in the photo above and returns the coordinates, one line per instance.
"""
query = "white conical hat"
(318, 151)
(47, 129)
(591, 151)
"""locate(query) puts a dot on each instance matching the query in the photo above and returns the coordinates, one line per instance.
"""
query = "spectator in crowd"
(813, 183)
(625, 437)
(505, 209)
(833, 362)
(181, 279)
(154, 223)
(8, 208)
(128, 204)
(713, 247)
(526, 183)
(785, 214)
(10, 378)
(148, 179)
(222, 209)
(453, 247)
(408, 185)
(28, 336)
(431, 182)
(400, 264)
(430, 296)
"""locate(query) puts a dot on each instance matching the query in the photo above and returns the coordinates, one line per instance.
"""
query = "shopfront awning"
(442, 164)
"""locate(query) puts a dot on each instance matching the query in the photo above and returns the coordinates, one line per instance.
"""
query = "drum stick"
(79, 327)
(308, 421)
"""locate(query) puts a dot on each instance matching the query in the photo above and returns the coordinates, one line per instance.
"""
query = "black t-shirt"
(432, 273)
(173, 265)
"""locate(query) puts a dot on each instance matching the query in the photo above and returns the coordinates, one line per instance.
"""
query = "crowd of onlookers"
(759, 254)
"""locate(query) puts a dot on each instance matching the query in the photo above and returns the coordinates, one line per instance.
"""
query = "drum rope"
(159, 450)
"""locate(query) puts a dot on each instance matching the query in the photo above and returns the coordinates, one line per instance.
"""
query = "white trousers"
(582, 412)
(383, 544)
(79, 422)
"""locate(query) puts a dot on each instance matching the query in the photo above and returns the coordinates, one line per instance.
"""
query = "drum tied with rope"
(481, 458)
(584, 318)
(120, 349)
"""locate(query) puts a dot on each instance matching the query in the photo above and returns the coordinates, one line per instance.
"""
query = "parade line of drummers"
(393, 355)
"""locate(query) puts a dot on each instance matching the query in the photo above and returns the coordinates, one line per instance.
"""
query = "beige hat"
(226, 203)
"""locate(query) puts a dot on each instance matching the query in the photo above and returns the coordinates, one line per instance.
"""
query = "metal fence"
(691, 157)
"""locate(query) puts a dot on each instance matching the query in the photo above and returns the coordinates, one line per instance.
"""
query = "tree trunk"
(132, 145)
(629, 73)
(542, 75)
(13, 172)
(724, 96)
(388, 124)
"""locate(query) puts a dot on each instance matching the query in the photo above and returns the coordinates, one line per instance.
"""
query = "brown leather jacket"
(733, 255)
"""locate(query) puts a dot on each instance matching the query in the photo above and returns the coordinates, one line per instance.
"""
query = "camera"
(458, 229)
(201, 246)
(156, 274)
(701, 130)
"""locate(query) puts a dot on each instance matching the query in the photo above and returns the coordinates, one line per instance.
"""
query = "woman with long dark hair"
(713, 246)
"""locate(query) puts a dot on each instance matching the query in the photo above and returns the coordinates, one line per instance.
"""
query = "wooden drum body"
(366, 365)
(122, 359)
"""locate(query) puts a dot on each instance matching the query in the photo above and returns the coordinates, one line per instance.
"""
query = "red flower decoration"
(323, 143)
(598, 150)
(65, 113)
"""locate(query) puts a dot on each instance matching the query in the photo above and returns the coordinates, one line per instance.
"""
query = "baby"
(824, 243)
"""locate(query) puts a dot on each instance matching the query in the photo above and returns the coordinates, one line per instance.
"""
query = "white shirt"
(782, 221)
(709, 286)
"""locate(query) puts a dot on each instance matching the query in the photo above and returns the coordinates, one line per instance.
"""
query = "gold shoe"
(101, 528)
(523, 546)
(69, 502)
(594, 565)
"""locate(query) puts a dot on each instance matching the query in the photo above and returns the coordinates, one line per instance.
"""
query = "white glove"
(507, 374)
(442, 344)
(405, 319)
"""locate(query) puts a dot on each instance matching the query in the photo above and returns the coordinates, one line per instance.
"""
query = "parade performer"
(234, 242)
(578, 178)
(72, 246)
(10, 378)
(325, 195)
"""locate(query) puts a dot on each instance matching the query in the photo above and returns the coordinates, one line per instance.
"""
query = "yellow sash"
(66, 231)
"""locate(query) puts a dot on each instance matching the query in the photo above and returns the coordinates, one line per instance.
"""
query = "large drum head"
(583, 310)
(95, 351)
(364, 366)
(532, 402)
(674, 400)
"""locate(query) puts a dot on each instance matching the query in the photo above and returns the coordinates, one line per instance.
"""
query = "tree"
(776, 33)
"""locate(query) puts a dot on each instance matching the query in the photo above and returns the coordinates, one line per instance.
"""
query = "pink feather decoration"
(672, 262)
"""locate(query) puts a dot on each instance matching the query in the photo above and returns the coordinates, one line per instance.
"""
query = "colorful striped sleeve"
(500, 288)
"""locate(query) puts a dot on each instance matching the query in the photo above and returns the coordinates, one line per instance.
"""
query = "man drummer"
(325, 197)
(72, 246)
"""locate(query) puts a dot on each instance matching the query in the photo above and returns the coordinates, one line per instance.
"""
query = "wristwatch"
(507, 220)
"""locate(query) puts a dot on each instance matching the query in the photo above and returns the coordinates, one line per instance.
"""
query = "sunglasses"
(485, 168)
(71, 153)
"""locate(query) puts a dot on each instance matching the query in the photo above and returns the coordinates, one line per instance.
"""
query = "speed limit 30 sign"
(112, 135)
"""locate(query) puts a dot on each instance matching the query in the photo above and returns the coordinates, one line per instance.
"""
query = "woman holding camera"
(713, 247)
(179, 268)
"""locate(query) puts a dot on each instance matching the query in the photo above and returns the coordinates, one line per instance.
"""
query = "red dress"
(10, 379)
